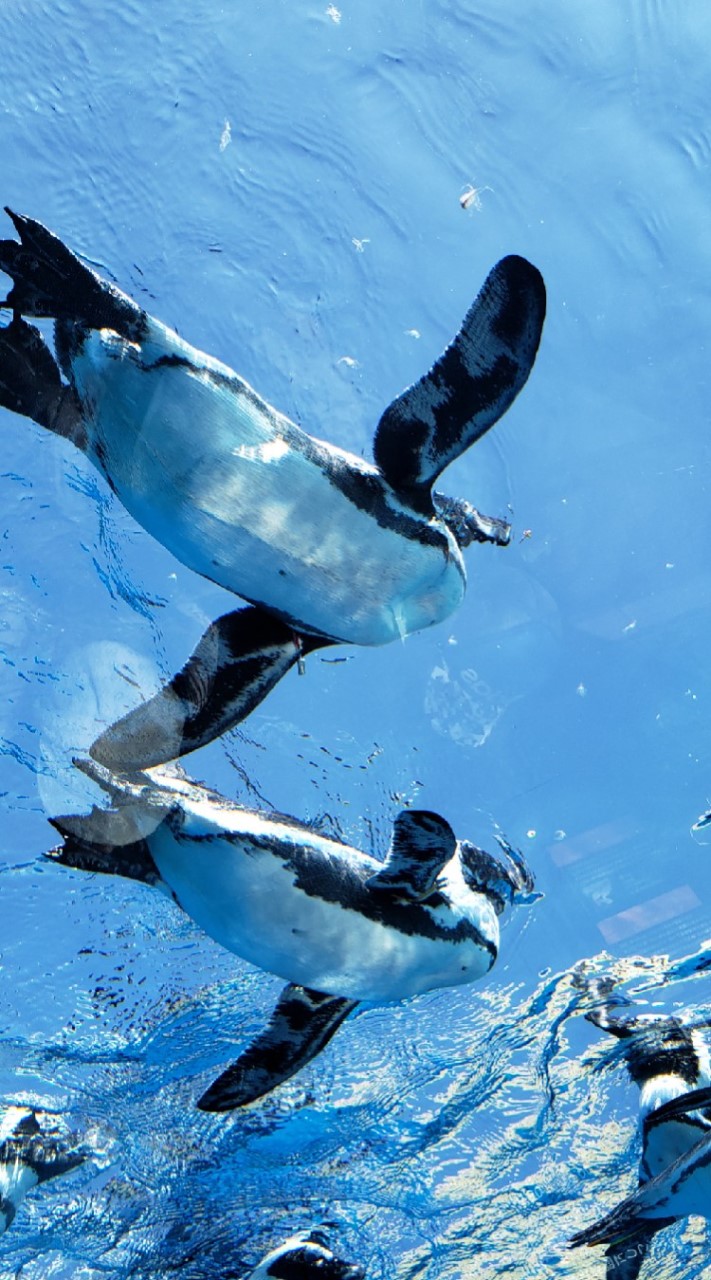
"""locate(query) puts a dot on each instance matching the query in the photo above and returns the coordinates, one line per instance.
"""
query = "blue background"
(281, 183)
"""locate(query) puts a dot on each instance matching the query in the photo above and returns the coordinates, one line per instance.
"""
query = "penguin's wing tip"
(470, 386)
(303, 1021)
(421, 846)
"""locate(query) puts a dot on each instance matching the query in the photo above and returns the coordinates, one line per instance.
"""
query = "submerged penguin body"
(251, 501)
(34, 1146)
(668, 1058)
(306, 912)
(353, 551)
(326, 547)
(309, 909)
(338, 925)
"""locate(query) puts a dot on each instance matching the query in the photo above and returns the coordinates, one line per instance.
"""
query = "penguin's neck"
(658, 1090)
(662, 1088)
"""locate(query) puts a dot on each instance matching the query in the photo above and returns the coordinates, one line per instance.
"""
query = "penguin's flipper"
(617, 1228)
(680, 1189)
(104, 841)
(677, 1108)
(49, 280)
(422, 844)
(237, 662)
(301, 1024)
(469, 388)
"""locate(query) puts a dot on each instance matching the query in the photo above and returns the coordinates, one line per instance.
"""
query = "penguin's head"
(306, 1258)
(651, 1045)
(503, 882)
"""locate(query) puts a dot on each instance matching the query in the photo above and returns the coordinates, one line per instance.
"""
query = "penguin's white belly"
(15, 1181)
(694, 1195)
(686, 1190)
(248, 901)
(667, 1142)
(205, 467)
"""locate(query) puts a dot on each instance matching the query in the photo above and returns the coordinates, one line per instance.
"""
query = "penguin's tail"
(47, 1149)
(106, 841)
(51, 281)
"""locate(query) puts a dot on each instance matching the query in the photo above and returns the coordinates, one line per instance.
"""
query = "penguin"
(33, 1148)
(337, 925)
(703, 821)
(326, 547)
(668, 1059)
(305, 1257)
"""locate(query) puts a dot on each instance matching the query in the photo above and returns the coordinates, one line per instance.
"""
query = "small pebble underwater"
(397, 960)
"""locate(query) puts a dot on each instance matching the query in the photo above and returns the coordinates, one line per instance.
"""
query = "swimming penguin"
(337, 925)
(328, 547)
(305, 1257)
(669, 1060)
(34, 1146)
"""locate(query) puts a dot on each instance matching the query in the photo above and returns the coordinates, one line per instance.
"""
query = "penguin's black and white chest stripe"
(668, 1061)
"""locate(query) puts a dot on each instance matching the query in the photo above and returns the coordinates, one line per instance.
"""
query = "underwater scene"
(355, 732)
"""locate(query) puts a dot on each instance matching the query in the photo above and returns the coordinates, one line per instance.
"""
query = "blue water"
(281, 182)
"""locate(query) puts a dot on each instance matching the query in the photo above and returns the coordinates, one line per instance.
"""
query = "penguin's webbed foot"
(30, 383)
(50, 281)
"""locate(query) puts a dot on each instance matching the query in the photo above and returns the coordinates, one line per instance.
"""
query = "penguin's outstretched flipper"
(681, 1108)
(303, 1022)
(652, 1201)
(421, 845)
(683, 1187)
(237, 662)
(51, 281)
(469, 388)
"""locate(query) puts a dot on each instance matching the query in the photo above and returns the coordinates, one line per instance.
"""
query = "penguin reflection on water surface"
(668, 1058)
(34, 1146)
(305, 1257)
(337, 925)
(328, 548)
